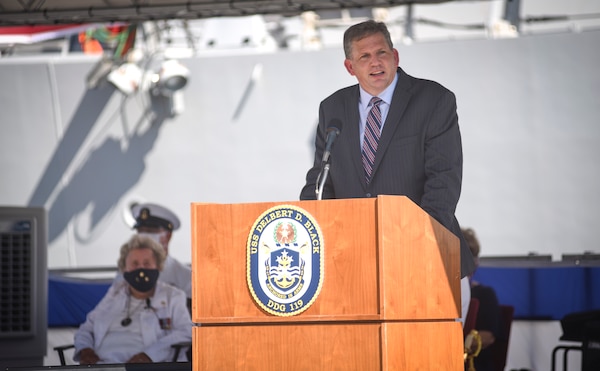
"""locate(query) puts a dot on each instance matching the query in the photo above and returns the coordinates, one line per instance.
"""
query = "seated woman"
(138, 320)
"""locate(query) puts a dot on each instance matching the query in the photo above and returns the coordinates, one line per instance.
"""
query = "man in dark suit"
(419, 152)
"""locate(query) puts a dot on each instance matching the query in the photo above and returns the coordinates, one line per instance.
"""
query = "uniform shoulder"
(168, 289)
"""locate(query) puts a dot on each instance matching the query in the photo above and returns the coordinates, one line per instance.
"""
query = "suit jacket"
(419, 153)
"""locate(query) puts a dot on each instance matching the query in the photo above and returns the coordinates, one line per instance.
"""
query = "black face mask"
(143, 280)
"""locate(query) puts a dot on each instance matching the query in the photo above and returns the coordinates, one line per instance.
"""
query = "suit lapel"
(400, 100)
(353, 132)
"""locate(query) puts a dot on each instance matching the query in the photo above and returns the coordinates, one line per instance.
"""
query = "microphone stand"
(321, 181)
(332, 133)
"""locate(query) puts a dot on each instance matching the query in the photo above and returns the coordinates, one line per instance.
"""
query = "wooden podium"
(389, 299)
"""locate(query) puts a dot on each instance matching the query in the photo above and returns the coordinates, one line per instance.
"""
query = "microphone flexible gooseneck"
(332, 132)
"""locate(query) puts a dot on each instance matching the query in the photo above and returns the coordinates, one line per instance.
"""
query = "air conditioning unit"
(23, 286)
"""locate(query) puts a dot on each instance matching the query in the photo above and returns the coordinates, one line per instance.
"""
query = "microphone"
(332, 133)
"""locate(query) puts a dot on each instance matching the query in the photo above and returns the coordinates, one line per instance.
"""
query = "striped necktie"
(371, 139)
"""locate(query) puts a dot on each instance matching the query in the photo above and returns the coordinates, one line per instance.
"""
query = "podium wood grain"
(389, 300)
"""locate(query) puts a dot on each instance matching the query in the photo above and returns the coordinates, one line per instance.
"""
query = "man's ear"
(349, 67)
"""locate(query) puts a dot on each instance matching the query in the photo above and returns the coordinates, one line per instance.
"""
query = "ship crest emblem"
(285, 260)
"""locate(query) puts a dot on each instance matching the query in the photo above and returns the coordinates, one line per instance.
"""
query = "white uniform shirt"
(168, 304)
(177, 274)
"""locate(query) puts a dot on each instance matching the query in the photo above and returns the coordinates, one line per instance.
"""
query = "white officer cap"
(153, 215)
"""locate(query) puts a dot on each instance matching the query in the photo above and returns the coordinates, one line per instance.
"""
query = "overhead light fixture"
(126, 78)
(171, 77)
(164, 86)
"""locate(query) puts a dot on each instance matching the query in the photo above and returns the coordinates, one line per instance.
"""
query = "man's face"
(159, 234)
(373, 63)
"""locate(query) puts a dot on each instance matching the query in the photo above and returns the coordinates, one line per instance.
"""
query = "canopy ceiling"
(39, 12)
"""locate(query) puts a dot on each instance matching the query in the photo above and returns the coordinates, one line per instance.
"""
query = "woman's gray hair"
(142, 242)
(361, 30)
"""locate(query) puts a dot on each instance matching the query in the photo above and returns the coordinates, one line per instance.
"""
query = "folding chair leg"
(566, 350)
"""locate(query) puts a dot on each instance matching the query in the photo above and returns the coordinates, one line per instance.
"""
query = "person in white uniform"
(158, 222)
(140, 318)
